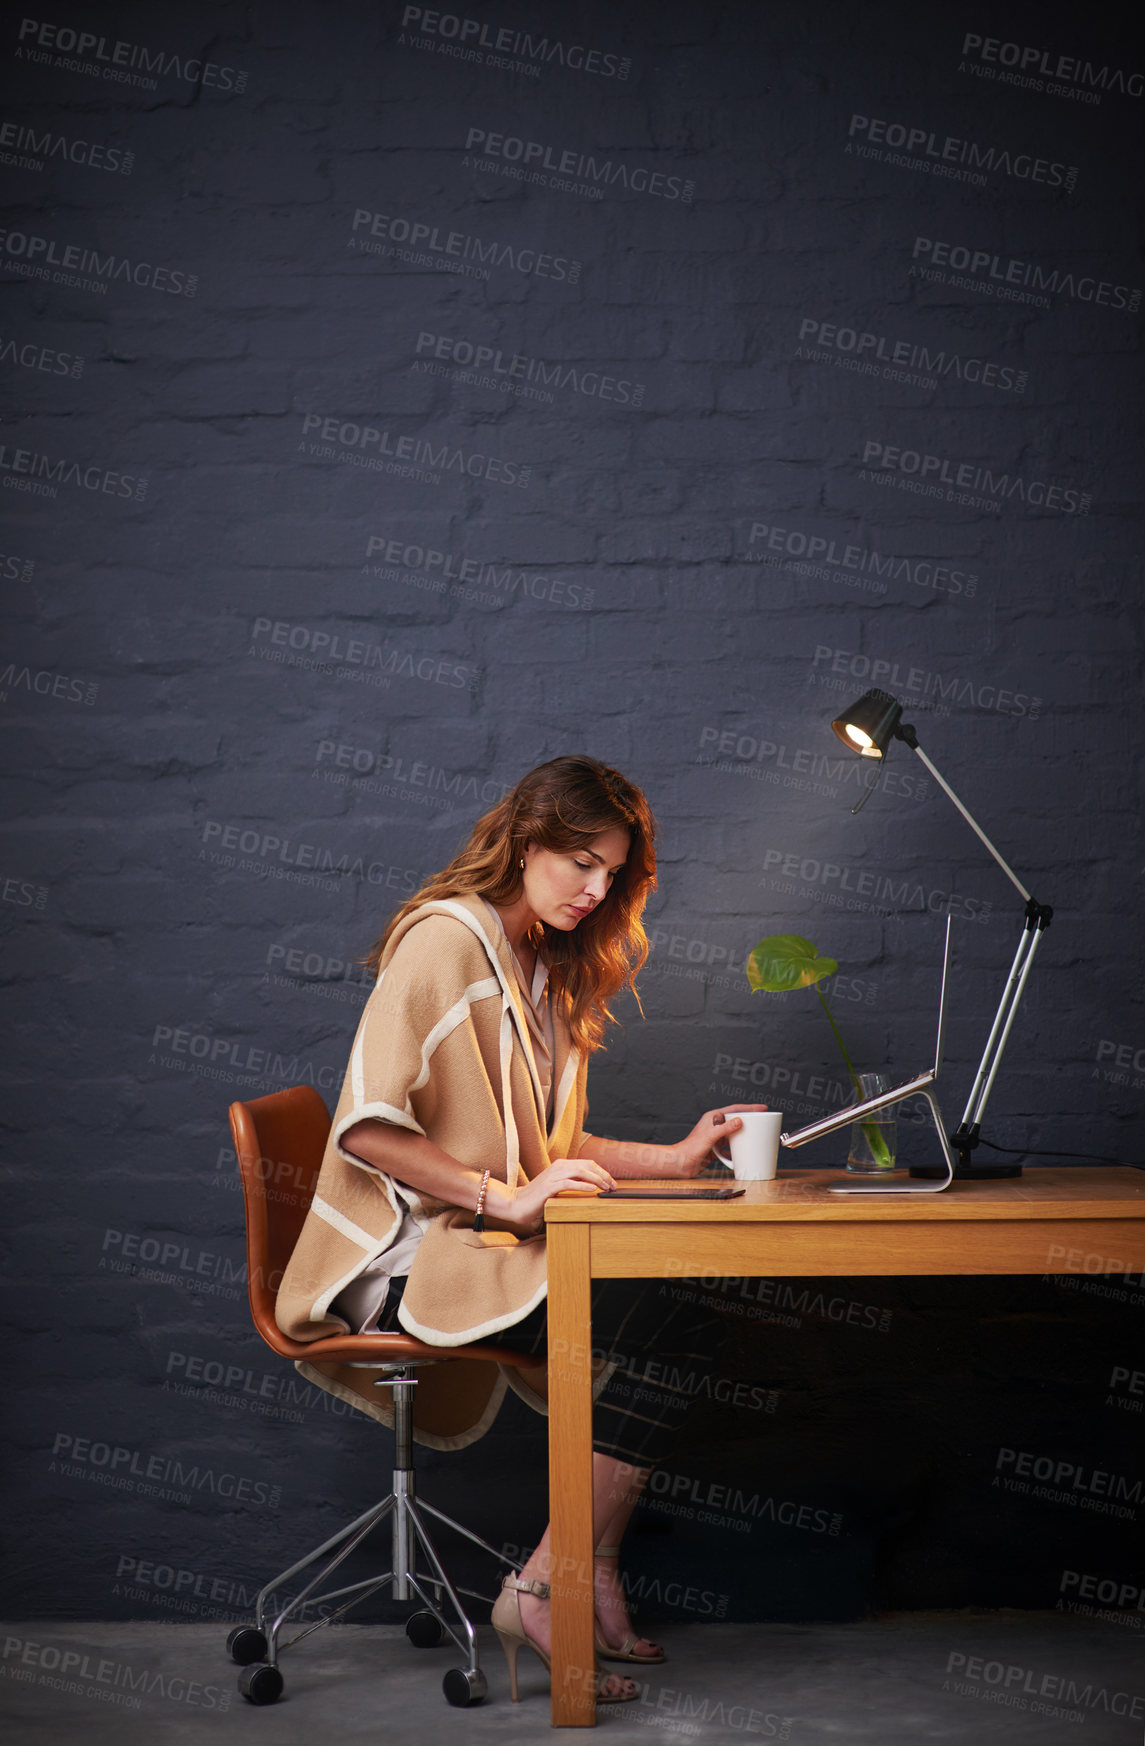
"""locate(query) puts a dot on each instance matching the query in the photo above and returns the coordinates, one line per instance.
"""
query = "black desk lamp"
(868, 727)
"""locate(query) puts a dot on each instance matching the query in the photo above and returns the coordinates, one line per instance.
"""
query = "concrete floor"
(890, 1680)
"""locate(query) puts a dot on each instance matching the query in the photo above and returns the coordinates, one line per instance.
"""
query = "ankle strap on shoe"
(542, 1590)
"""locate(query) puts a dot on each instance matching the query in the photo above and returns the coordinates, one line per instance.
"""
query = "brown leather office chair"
(285, 1134)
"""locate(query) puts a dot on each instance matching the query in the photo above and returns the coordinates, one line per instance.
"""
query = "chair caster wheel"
(245, 1644)
(463, 1688)
(261, 1683)
(424, 1631)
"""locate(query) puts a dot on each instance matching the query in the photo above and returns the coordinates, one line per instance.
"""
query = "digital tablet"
(669, 1193)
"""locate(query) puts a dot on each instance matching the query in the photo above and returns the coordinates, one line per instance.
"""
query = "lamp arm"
(1035, 938)
(1033, 928)
(1037, 919)
(907, 733)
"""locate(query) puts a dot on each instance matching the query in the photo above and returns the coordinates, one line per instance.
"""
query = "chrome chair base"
(256, 1648)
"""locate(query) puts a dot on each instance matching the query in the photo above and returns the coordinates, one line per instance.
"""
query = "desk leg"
(570, 1474)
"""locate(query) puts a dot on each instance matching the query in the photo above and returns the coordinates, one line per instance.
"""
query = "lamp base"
(968, 1172)
(965, 1140)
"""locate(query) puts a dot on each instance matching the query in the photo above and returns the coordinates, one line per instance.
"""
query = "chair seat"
(388, 1349)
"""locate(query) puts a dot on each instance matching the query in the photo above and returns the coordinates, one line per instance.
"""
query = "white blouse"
(538, 1016)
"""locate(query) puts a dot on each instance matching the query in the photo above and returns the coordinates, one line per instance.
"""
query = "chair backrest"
(279, 1141)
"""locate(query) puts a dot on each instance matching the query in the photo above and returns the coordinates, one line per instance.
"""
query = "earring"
(522, 860)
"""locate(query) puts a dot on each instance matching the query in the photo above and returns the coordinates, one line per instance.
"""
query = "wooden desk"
(1088, 1220)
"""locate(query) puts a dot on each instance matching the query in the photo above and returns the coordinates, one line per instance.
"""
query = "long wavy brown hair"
(562, 806)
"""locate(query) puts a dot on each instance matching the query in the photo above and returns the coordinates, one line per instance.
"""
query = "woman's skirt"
(663, 1351)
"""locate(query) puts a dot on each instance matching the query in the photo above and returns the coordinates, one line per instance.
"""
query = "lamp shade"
(868, 725)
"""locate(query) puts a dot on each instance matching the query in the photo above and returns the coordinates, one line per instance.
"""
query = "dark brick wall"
(820, 371)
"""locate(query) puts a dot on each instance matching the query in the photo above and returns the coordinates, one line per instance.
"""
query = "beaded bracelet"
(479, 1219)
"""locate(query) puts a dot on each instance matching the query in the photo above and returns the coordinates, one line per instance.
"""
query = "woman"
(462, 1112)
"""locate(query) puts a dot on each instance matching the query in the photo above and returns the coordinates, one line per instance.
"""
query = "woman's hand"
(522, 1208)
(713, 1128)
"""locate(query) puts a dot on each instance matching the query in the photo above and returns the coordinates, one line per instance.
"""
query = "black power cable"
(1025, 1152)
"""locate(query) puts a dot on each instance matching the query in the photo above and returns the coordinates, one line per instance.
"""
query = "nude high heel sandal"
(507, 1624)
(624, 1652)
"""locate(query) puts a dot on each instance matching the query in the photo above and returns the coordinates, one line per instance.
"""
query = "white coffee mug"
(755, 1146)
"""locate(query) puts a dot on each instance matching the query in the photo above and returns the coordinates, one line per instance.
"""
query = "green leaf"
(785, 961)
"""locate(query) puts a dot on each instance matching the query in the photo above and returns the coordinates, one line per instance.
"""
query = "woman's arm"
(687, 1158)
(415, 1160)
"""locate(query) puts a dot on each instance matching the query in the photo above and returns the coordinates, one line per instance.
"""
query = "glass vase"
(874, 1141)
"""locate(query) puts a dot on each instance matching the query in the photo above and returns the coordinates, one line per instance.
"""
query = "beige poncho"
(442, 1049)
